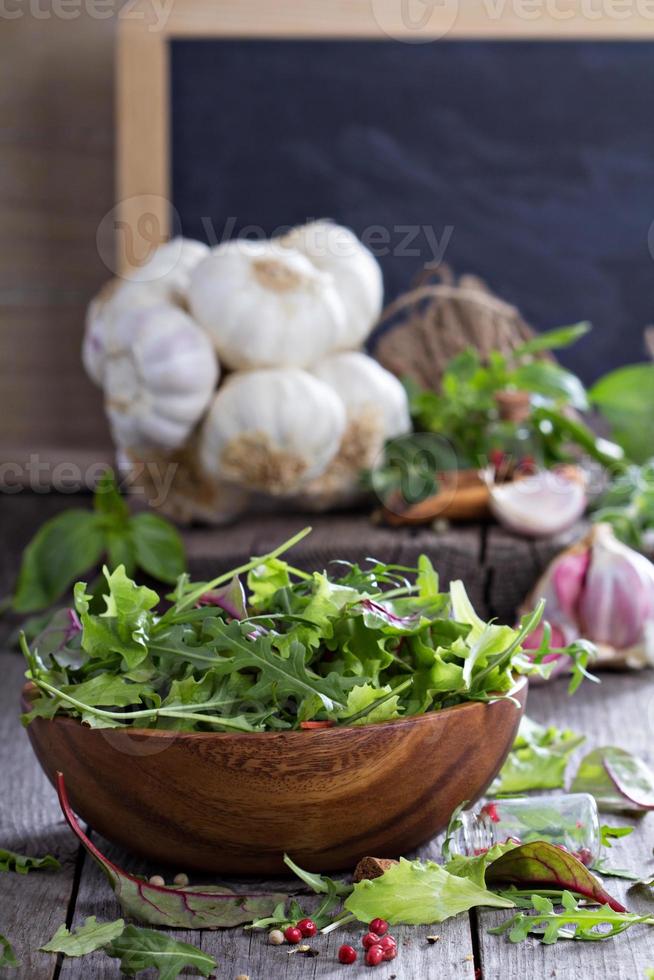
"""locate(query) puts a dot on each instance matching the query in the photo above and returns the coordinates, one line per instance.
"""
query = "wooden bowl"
(224, 802)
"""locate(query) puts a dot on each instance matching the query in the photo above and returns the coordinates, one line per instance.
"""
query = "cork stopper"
(372, 867)
(513, 406)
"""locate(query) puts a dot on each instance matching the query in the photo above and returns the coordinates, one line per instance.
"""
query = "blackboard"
(532, 162)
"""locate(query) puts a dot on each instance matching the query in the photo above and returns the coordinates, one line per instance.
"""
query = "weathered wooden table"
(620, 711)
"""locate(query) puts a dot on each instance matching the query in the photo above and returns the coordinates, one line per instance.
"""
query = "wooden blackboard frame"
(143, 190)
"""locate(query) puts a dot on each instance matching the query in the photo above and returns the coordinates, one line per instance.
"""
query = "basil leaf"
(552, 381)
(85, 939)
(158, 547)
(7, 956)
(626, 398)
(108, 501)
(62, 550)
(553, 339)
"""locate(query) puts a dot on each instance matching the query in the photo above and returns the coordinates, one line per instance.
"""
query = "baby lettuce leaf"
(619, 781)
(586, 924)
(537, 760)
(474, 867)
(139, 949)
(7, 956)
(85, 939)
(22, 864)
(318, 883)
(416, 893)
(205, 907)
(544, 865)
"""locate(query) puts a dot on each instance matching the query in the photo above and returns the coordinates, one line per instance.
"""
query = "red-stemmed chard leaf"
(203, 907)
(619, 781)
(540, 864)
(631, 777)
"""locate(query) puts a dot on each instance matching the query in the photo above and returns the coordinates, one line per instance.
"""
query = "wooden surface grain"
(619, 711)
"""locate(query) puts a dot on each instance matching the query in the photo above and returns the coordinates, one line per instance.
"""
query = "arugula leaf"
(540, 863)
(319, 884)
(158, 547)
(619, 781)
(537, 760)
(22, 864)
(85, 939)
(140, 949)
(62, 550)
(418, 894)
(204, 907)
(601, 868)
(586, 924)
(7, 956)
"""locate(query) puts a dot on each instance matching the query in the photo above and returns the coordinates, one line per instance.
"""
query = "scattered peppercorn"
(157, 880)
(374, 956)
(370, 939)
(276, 937)
(182, 880)
(292, 935)
(347, 954)
(307, 927)
(379, 926)
(388, 942)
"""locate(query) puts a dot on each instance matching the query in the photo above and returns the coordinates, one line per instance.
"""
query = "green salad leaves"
(369, 644)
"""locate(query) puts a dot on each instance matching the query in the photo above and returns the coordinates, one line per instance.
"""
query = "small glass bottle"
(513, 444)
(571, 821)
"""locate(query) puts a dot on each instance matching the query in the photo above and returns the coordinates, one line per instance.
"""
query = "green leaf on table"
(158, 547)
(142, 949)
(537, 760)
(22, 863)
(574, 922)
(474, 866)
(619, 781)
(62, 550)
(540, 864)
(626, 398)
(606, 870)
(609, 834)
(416, 893)
(85, 939)
(319, 884)
(7, 956)
(204, 907)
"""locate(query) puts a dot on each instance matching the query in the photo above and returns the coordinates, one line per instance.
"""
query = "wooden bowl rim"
(427, 718)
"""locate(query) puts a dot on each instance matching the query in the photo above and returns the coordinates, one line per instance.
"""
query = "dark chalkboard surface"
(531, 162)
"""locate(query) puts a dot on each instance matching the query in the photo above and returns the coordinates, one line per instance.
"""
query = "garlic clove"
(264, 305)
(541, 505)
(617, 602)
(335, 249)
(601, 590)
(158, 379)
(164, 278)
(272, 430)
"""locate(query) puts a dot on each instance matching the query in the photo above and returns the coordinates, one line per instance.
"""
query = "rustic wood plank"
(239, 952)
(31, 906)
(620, 711)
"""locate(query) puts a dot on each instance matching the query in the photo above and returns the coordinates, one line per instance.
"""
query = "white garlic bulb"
(272, 429)
(335, 249)
(158, 378)
(264, 305)
(164, 278)
(377, 409)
